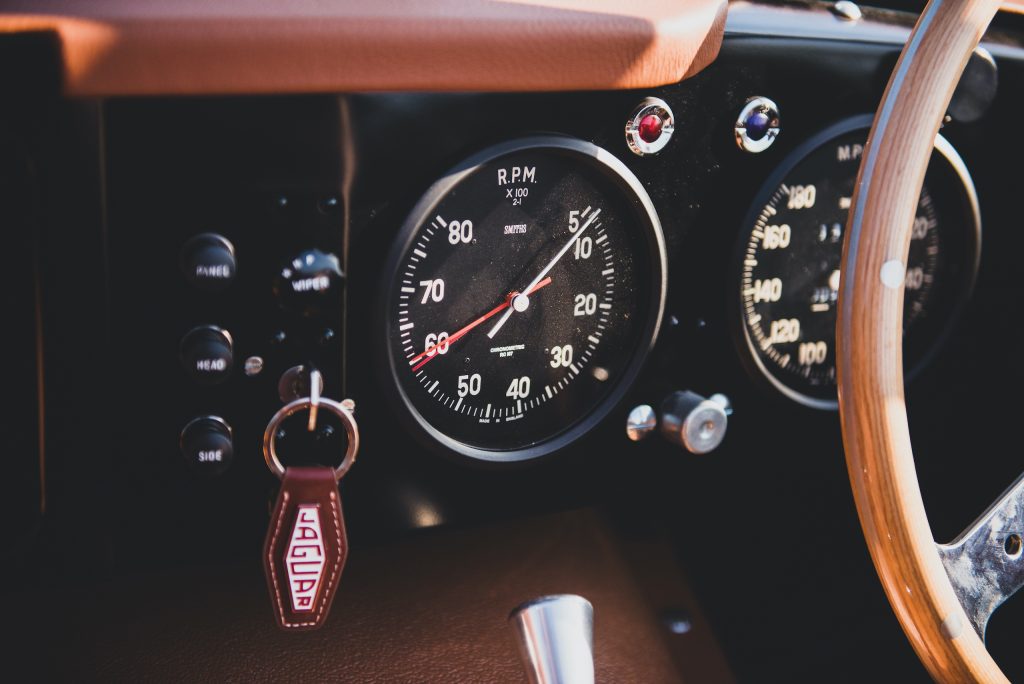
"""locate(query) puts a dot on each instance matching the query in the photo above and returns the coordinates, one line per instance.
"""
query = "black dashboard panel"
(20, 423)
(267, 176)
(765, 525)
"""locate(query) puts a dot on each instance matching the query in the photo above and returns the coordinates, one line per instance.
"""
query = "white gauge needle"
(522, 301)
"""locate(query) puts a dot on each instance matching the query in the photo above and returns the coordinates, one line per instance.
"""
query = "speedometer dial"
(791, 252)
(524, 293)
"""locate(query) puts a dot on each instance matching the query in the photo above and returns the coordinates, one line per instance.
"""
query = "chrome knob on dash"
(693, 422)
(555, 635)
(641, 422)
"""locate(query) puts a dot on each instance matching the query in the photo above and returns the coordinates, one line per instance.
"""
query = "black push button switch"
(208, 262)
(206, 354)
(207, 445)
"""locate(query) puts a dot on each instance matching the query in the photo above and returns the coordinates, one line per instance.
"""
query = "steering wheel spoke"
(985, 564)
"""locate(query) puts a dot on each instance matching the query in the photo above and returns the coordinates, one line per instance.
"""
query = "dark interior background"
(99, 197)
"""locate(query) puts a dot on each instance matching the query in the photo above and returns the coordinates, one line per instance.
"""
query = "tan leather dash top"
(113, 47)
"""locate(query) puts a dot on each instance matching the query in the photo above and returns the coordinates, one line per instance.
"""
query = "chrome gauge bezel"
(746, 345)
(611, 166)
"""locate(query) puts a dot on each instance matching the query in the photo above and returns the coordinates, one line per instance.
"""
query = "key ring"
(313, 403)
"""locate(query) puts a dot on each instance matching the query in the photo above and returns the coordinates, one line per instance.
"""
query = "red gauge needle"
(429, 352)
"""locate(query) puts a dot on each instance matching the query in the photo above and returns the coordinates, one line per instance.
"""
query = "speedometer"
(523, 294)
(791, 250)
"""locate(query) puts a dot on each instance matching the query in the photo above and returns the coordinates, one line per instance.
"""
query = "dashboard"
(537, 302)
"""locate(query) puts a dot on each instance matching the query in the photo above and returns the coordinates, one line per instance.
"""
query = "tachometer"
(523, 294)
(791, 251)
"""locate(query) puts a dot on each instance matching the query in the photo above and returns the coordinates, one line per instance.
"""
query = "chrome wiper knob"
(555, 635)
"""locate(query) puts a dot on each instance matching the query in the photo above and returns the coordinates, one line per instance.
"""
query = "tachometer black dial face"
(791, 252)
(526, 289)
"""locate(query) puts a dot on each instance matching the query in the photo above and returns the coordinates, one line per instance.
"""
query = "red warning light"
(650, 128)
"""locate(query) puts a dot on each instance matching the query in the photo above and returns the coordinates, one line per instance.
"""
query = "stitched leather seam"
(325, 596)
(270, 558)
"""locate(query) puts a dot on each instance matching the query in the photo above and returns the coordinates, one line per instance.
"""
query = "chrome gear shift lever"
(555, 635)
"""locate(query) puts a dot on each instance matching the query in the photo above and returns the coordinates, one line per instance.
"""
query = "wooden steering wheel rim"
(869, 342)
